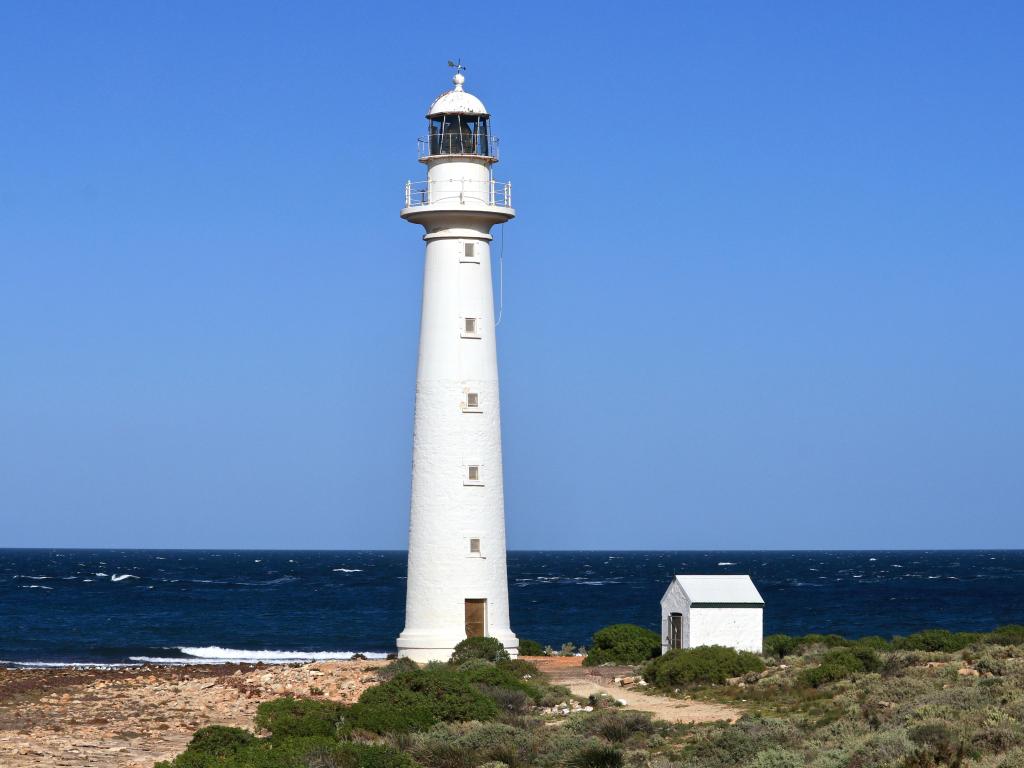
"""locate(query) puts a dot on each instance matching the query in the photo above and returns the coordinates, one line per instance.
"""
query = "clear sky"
(764, 290)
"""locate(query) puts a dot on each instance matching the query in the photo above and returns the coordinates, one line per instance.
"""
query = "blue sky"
(764, 289)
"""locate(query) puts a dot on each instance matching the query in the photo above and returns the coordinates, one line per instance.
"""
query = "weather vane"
(458, 65)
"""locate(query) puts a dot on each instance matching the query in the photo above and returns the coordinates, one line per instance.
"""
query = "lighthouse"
(457, 583)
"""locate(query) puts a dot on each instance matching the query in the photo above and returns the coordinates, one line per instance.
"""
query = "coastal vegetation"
(934, 699)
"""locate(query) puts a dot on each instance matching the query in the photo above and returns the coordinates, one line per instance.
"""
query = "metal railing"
(498, 193)
(457, 144)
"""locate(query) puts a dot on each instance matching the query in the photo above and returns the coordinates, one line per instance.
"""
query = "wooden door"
(675, 630)
(476, 618)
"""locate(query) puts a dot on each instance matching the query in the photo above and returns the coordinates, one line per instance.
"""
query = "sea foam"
(213, 654)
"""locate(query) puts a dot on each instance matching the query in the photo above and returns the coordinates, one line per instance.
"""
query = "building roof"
(719, 590)
(457, 101)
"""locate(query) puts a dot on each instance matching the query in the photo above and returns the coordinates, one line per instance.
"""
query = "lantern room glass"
(459, 135)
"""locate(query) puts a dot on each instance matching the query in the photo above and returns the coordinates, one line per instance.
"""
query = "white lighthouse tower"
(457, 585)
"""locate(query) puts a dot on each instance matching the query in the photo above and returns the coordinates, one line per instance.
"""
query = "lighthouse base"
(424, 647)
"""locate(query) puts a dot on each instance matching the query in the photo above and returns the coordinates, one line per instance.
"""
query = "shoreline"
(132, 717)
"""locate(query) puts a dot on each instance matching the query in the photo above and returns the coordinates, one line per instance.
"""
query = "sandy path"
(588, 681)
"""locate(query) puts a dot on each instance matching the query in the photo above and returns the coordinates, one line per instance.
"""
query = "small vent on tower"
(474, 546)
(471, 328)
(473, 475)
(470, 253)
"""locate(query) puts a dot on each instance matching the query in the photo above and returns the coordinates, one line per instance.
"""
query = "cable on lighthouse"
(501, 275)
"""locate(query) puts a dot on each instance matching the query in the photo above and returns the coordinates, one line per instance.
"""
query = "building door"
(476, 618)
(675, 633)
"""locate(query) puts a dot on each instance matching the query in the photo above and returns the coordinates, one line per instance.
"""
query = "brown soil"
(593, 681)
(131, 718)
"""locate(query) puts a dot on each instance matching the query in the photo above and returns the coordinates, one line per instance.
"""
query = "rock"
(968, 672)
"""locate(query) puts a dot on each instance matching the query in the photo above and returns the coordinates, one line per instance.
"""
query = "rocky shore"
(133, 717)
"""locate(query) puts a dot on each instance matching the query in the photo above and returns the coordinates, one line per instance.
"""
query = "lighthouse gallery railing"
(491, 192)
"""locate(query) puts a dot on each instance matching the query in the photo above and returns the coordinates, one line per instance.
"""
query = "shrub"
(498, 676)
(774, 757)
(735, 745)
(839, 664)
(597, 756)
(1011, 634)
(300, 717)
(413, 701)
(936, 640)
(530, 648)
(623, 644)
(780, 646)
(396, 667)
(612, 724)
(487, 648)
(220, 741)
(705, 664)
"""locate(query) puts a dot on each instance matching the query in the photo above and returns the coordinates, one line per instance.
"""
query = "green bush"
(774, 757)
(615, 725)
(220, 741)
(487, 648)
(597, 756)
(936, 640)
(300, 717)
(1011, 634)
(530, 648)
(840, 664)
(396, 667)
(780, 646)
(294, 752)
(623, 644)
(498, 676)
(706, 664)
(413, 701)
(728, 746)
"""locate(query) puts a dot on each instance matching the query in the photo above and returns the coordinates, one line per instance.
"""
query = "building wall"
(739, 628)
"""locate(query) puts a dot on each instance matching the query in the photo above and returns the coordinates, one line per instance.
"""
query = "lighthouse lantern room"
(457, 583)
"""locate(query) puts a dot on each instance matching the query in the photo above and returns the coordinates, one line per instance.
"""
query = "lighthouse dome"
(457, 101)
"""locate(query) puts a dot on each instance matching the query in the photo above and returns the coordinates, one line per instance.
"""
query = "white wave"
(872, 559)
(216, 655)
(122, 577)
(85, 580)
(101, 574)
(35, 578)
(347, 570)
(35, 586)
(58, 664)
(727, 563)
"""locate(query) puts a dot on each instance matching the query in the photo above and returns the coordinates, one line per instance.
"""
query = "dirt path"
(587, 681)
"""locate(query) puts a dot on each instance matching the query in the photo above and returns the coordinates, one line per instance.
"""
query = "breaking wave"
(216, 655)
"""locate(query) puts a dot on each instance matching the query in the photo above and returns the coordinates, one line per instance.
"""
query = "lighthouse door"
(476, 618)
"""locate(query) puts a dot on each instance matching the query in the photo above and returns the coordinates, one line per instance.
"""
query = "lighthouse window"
(469, 250)
(459, 135)
(473, 400)
(474, 472)
(470, 328)
(474, 546)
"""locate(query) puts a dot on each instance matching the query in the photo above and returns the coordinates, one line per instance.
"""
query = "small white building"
(712, 610)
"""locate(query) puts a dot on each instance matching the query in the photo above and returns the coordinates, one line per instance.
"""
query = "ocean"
(138, 606)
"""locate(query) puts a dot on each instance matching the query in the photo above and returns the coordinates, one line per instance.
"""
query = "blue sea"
(139, 606)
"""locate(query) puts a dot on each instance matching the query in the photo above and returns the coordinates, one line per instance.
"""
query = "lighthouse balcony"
(459, 143)
(458, 192)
